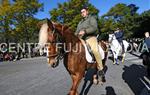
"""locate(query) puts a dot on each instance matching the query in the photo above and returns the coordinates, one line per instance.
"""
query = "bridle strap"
(59, 54)
(112, 38)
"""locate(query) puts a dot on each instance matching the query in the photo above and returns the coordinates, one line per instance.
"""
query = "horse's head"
(111, 38)
(50, 36)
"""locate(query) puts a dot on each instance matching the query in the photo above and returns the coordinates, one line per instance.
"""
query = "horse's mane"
(66, 31)
(65, 27)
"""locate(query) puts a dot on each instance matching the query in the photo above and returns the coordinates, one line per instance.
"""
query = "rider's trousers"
(92, 41)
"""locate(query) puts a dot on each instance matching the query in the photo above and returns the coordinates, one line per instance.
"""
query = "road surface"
(33, 77)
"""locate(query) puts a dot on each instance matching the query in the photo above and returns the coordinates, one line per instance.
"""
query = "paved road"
(33, 77)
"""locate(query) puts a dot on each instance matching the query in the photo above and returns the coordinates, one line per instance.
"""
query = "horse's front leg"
(76, 78)
(115, 57)
(123, 57)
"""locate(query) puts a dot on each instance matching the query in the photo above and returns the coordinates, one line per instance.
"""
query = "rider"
(146, 54)
(119, 36)
(87, 29)
(147, 40)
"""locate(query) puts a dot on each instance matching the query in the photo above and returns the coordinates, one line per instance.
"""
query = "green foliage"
(18, 24)
(122, 16)
(69, 12)
(141, 24)
(6, 15)
(118, 11)
(17, 20)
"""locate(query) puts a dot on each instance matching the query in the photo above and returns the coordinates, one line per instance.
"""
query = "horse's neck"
(115, 42)
(67, 34)
(73, 43)
(69, 37)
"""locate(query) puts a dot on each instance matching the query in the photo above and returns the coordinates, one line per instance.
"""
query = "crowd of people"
(6, 55)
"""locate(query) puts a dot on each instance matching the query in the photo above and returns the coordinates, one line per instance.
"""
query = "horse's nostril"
(55, 64)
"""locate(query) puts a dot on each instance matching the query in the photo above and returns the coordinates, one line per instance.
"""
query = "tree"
(24, 21)
(133, 9)
(118, 12)
(122, 16)
(69, 12)
(6, 15)
(142, 23)
(106, 24)
(17, 20)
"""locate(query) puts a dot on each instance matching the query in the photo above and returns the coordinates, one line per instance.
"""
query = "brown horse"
(63, 42)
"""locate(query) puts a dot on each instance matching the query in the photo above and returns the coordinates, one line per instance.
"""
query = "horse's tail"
(43, 35)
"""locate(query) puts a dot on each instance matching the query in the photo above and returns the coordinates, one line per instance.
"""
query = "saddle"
(88, 52)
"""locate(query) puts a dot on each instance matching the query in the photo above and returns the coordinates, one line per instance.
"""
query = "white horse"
(116, 48)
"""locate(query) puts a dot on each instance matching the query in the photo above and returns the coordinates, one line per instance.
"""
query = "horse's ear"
(50, 24)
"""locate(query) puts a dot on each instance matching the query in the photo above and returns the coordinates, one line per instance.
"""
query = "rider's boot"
(101, 76)
(116, 60)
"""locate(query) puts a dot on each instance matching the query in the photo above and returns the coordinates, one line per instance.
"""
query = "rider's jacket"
(147, 41)
(119, 36)
(89, 25)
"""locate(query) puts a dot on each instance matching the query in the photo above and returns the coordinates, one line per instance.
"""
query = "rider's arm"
(77, 30)
(147, 42)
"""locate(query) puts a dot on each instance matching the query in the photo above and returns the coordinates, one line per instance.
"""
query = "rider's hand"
(81, 33)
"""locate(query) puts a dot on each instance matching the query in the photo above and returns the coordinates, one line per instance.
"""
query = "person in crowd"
(146, 54)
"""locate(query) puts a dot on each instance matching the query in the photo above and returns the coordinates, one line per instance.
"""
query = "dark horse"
(146, 61)
(70, 47)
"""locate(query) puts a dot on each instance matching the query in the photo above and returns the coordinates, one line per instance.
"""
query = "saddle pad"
(89, 57)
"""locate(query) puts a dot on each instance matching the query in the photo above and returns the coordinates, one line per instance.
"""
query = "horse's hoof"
(114, 63)
(49, 66)
(101, 83)
(117, 63)
(95, 81)
(73, 93)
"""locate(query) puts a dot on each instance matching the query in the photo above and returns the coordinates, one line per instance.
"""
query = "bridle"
(112, 38)
(59, 54)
